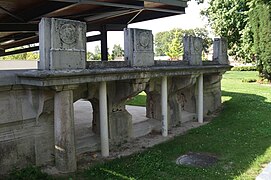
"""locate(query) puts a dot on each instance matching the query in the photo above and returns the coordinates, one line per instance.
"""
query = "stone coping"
(121, 64)
(79, 76)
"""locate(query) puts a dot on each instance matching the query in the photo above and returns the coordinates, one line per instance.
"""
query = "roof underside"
(19, 19)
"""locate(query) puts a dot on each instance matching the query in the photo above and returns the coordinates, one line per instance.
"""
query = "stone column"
(62, 44)
(193, 50)
(200, 98)
(138, 47)
(103, 119)
(164, 104)
(65, 156)
(220, 54)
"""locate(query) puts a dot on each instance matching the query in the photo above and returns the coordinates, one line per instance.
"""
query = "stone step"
(87, 143)
(188, 116)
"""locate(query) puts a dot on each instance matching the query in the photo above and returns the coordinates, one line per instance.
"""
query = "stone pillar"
(103, 119)
(193, 50)
(200, 98)
(62, 44)
(138, 47)
(164, 104)
(220, 54)
(65, 156)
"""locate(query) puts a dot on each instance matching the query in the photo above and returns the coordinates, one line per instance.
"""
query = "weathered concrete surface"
(52, 78)
(62, 44)
(37, 105)
(65, 156)
(212, 92)
(25, 132)
(220, 54)
(138, 47)
(193, 50)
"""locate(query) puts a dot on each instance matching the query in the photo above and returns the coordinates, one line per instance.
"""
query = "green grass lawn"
(240, 137)
(139, 100)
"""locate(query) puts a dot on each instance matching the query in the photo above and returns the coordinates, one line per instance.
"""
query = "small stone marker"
(197, 160)
(138, 47)
(220, 54)
(62, 44)
(193, 48)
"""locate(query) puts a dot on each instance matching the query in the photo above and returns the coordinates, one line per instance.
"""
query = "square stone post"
(62, 44)
(65, 156)
(193, 50)
(138, 47)
(220, 54)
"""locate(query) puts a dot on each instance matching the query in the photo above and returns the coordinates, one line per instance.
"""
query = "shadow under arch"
(244, 128)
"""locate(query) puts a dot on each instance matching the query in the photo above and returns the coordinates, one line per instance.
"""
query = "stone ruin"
(37, 115)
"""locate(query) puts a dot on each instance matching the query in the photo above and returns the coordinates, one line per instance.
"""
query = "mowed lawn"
(240, 136)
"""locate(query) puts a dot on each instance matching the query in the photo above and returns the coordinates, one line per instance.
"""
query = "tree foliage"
(260, 19)
(175, 48)
(171, 42)
(96, 55)
(22, 56)
(117, 51)
(229, 18)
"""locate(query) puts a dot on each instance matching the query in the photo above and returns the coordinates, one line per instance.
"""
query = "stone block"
(193, 50)
(138, 47)
(62, 44)
(18, 153)
(212, 93)
(220, 54)
(120, 126)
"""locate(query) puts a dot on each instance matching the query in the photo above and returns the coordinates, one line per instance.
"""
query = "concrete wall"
(26, 127)
(27, 113)
(36, 107)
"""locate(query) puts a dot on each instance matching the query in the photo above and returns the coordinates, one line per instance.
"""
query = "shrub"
(249, 80)
(244, 68)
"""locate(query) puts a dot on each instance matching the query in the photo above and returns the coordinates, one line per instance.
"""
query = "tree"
(96, 55)
(260, 19)
(230, 19)
(175, 49)
(167, 41)
(162, 40)
(117, 51)
(22, 56)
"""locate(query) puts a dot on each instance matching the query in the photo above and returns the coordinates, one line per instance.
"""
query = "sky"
(190, 20)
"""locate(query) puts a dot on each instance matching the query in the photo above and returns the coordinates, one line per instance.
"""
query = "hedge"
(244, 68)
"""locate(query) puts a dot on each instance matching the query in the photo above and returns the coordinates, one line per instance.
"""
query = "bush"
(244, 68)
(249, 80)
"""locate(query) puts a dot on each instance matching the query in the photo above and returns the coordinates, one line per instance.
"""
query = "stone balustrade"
(37, 117)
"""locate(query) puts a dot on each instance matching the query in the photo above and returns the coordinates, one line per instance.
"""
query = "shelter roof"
(19, 19)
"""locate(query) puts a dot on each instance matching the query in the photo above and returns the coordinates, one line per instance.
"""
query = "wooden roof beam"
(18, 27)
